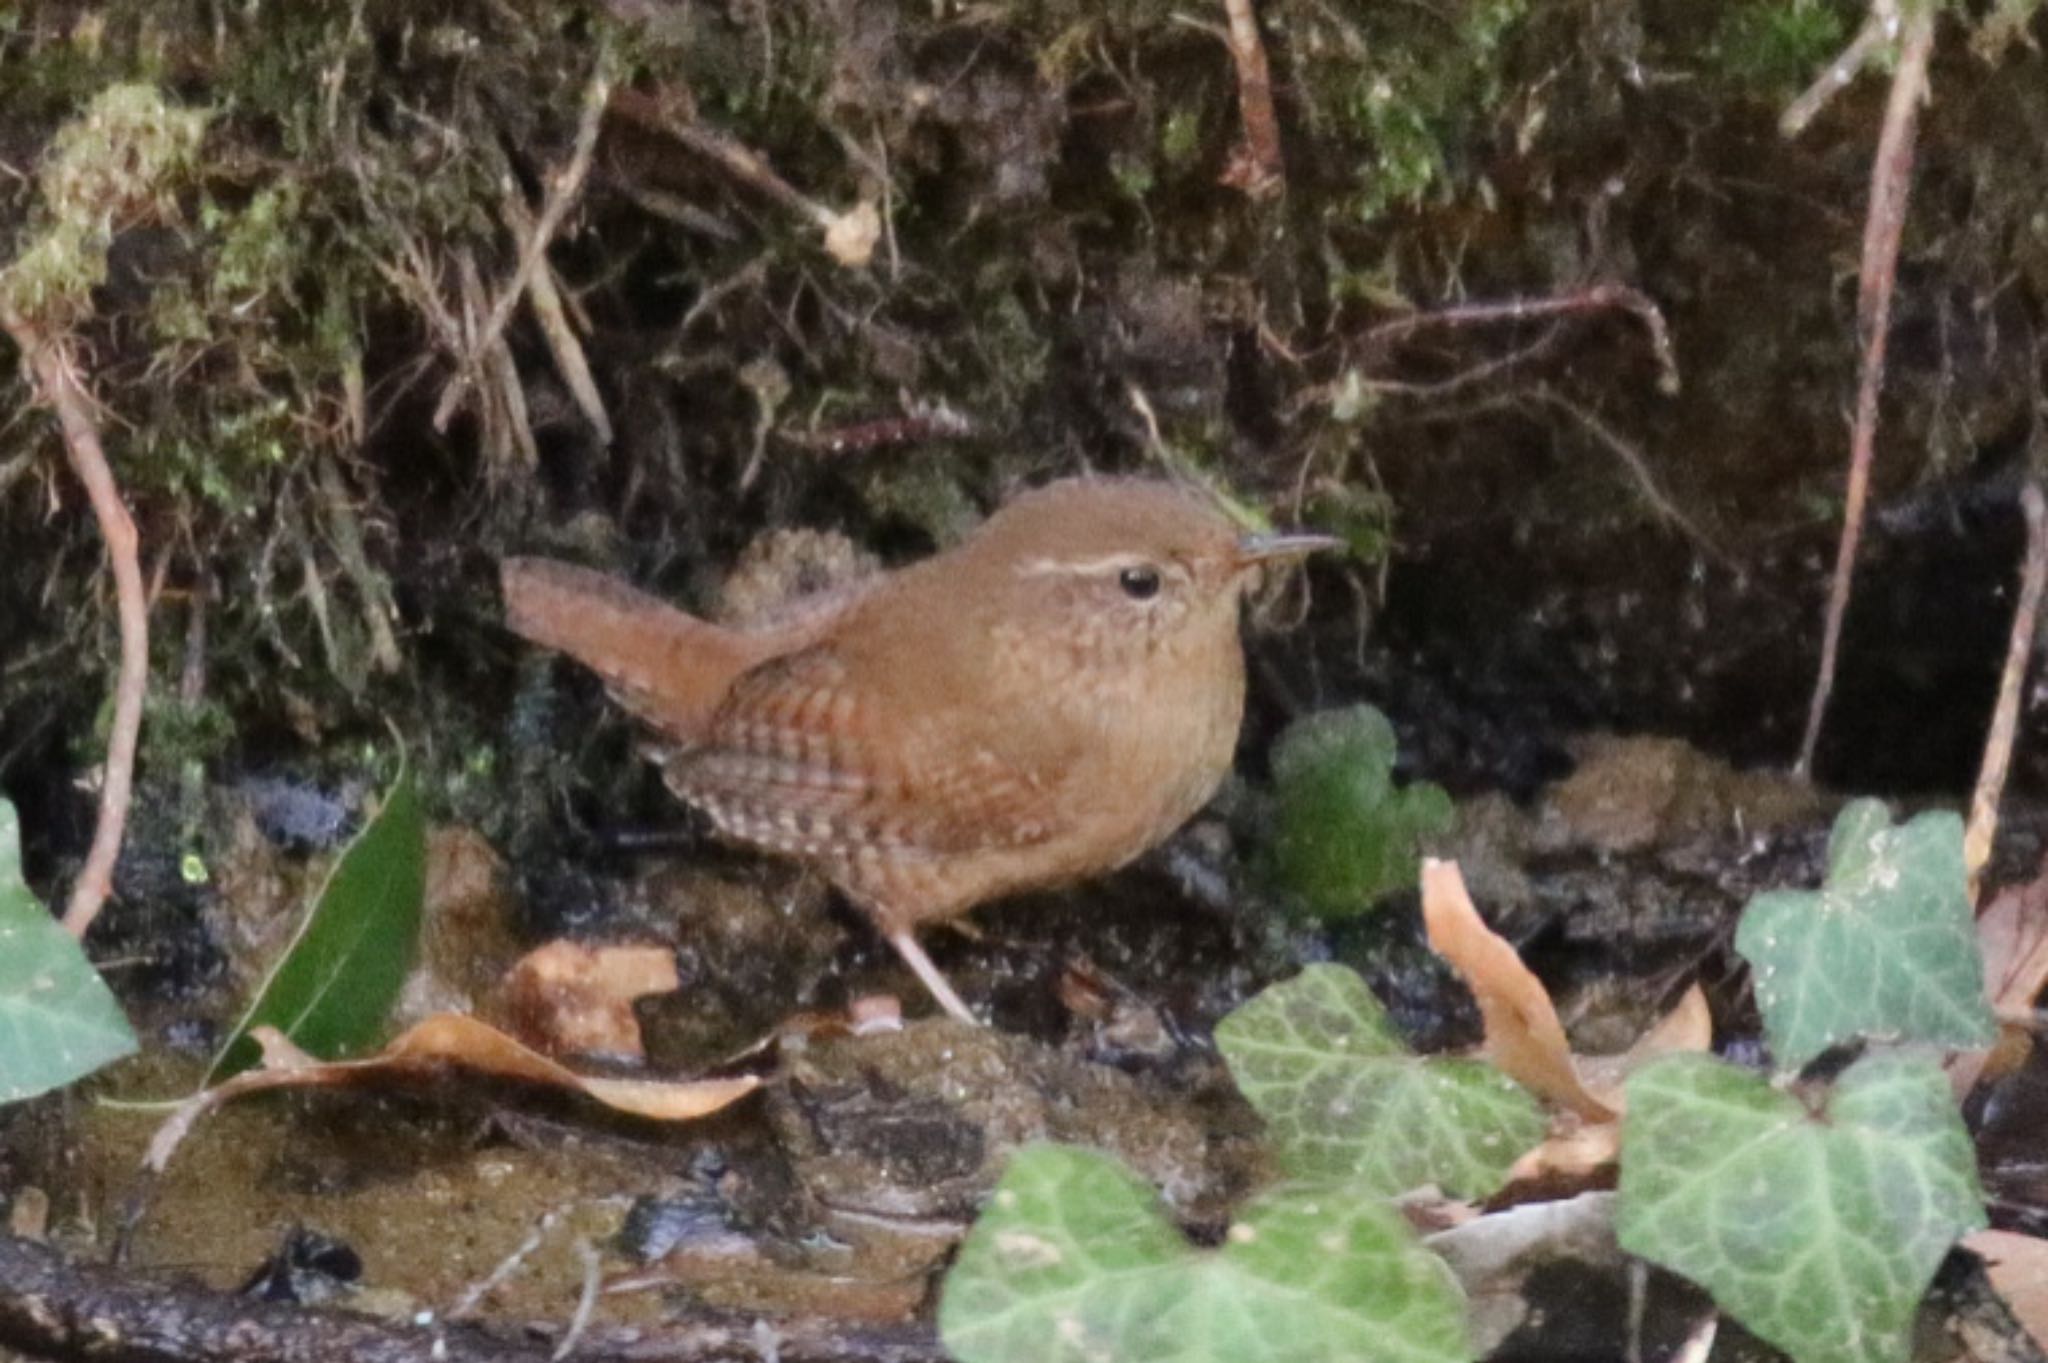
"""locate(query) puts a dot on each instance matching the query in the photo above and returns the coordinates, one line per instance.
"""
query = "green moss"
(1778, 46)
(1407, 85)
(115, 162)
(1346, 836)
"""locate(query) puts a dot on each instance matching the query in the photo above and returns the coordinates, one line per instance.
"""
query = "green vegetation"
(1074, 1262)
(1346, 835)
(1886, 949)
(1777, 45)
(1345, 1101)
(1816, 1224)
(58, 1021)
(332, 990)
(122, 155)
(1815, 1216)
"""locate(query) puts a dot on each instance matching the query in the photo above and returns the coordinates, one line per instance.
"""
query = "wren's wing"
(800, 762)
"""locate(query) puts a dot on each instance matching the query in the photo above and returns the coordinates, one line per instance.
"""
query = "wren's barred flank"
(1040, 704)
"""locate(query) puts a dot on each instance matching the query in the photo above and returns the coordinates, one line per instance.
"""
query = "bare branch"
(563, 190)
(1257, 167)
(2005, 715)
(1596, 298)
(553, 317)
(57, 383)
(1891, 183)
(1870, 41)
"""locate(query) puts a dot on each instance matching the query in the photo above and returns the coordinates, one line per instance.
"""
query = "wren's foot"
(921, 965)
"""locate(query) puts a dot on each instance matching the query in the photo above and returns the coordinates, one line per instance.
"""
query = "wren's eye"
(1140, 583)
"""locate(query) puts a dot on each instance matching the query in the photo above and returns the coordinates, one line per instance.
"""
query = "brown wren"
(1041, 703)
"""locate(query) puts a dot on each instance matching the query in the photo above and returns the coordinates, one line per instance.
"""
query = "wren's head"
(1126, 565)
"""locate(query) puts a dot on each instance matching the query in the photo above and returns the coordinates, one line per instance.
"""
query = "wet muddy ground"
(839, 1192)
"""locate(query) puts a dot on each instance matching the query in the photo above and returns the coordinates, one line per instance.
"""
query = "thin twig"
(564, 187)
(1877, 31)
(1891, 183)
(56, 381)
(1639, 468)
(586, 1301)
(1257, 166)
(473, 1296)
(850, 237)
(739, 161)
(345, 535)
(546, 301)
(2005, 715)
(1596, 298)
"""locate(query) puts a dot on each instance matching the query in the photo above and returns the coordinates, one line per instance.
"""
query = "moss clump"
(1346, 836)
(1409, 85)
(117, 161)
(1778, 46)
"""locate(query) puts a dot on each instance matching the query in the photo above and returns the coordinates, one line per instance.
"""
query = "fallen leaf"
(2018, 1267)
(2012, 934)
(1576, 1149)
(1523, 1036)
(567, 998)
(1689, 1026)
(1573, 1152)
(448, 1039)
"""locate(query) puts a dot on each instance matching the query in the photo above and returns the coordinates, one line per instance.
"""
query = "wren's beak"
(1261, 548)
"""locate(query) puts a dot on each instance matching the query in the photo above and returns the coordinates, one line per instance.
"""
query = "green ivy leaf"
(1073, 1262)
(1888, 948)
(1345, 1100)
(336, 983)
(58, 1020)
(1346, 836)
(1818, 1231)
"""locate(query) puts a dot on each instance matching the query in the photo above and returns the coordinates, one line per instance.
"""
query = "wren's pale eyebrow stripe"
(1087, 567)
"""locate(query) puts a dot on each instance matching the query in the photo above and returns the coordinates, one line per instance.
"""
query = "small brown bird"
(1039, 704)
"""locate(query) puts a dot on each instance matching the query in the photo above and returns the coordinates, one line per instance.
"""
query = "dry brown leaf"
(1576, 1149)
(1526, 1040)
(442, 1040)
(566, 998)
(2018, 1267)
(2012, 934)
(1689, 1026)
(1523, 1036)
(1571, 1154)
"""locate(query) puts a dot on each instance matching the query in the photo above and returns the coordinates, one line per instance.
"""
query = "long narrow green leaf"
(335, 985)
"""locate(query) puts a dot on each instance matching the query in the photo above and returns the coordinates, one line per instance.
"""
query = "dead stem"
(850, 237)
(1639, 469)
(1595, 298)
(57, 383)
(1257, 166)
(2005, 715)
(1891, 182)
(737, 160)
(548, 310)
(564, 188)
(345, 536)
(1870, 41)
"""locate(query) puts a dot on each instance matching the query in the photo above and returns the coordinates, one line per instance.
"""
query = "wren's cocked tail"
(1039, 704)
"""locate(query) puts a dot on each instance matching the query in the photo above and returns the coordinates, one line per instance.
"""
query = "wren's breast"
(1165, 736)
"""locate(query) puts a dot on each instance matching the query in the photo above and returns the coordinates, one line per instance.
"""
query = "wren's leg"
(921, 965)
